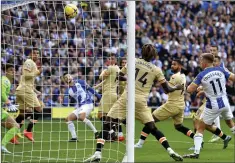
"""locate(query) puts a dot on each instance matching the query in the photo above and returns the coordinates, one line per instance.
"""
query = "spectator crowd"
(80, 46)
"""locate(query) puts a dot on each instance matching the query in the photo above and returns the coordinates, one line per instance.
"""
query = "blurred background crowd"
(80, 46)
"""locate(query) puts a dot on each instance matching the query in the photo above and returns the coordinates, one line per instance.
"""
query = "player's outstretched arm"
(169, 89)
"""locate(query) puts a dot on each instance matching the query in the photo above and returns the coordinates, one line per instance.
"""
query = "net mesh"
(79, 46)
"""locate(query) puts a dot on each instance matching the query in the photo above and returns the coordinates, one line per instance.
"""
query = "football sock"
(197, 142)
(219, 133)
(9, 135)
(88, 123)
(232, 129)
(33, 121)
(103, 135)
(185, 131)
(30, 127)
(160, 137)
(71, 128)
(217, 122)
(120, 130)
(114, 128)
(144, 133)
(20, 120)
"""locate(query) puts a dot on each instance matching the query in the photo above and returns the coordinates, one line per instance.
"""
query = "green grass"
(51, 145)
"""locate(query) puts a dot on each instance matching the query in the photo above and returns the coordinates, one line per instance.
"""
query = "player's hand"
(12, 108)
(200, 88)
(200, 93)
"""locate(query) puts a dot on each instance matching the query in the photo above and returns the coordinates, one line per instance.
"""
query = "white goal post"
(131, 81)
(130, 31)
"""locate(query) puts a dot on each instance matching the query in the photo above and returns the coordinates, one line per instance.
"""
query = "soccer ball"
(70, 10)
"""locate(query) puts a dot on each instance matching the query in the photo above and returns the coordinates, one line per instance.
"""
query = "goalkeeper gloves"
(11, 108)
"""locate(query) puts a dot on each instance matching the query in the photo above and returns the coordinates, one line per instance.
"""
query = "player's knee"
(151, 126)
(82, 116)
(178, 126)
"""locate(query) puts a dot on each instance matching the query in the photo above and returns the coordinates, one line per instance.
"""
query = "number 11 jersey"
(213, 80)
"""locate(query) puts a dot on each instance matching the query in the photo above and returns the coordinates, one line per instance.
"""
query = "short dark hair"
(6, 66)
(208, 56)
(218, 57)
(148, 52)
(214, 46)
(178, 60)
(34, 49)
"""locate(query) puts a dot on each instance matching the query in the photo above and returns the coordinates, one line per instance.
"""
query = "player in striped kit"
(80, 91)
(213, 80)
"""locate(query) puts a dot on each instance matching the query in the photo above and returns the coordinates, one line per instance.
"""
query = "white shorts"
(87, 108)
(209, 115)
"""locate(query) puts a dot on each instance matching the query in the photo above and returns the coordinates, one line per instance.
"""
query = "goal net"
(79, 46)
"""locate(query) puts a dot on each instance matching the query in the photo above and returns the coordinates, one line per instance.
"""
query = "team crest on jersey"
(6, 82)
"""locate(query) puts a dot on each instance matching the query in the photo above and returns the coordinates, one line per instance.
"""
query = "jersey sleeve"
(159, 75)
(124, 69)
(198, 79)
(104, 73)
(5, 85)
(30, 70)
(180, 79)
(72, 91)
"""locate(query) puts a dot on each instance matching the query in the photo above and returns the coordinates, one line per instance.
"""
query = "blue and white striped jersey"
(213, 80)
(82, 93)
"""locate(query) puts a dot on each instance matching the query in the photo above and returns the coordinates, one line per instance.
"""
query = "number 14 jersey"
(145, 75)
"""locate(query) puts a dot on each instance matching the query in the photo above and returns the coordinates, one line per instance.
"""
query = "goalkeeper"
(8, 121)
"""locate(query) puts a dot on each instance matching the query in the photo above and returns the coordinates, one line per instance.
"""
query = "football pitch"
(51, 145)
